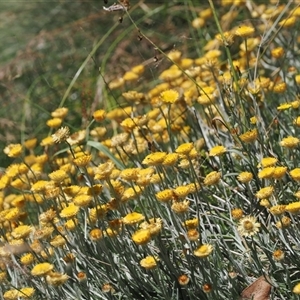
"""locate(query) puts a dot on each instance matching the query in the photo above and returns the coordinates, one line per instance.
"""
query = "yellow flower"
(96, 234)
(58, 176)
(60, 112)
(245, 177)
(82, 200)
(277, 209)
(58, 241)
(237, 213)
(11, 295)
(99, 115)
(296, 289)
(253, 120)
(265, 192)
(203, 251)
(191, 223)
(133, 218)
(154, 159)
(27, 259)
(280, 88)
(56, 279)
(98, 212)
(183, 190)
(297, 121)
(180, 207)
(293, 207)
(244, 31)
(54, 123)
(212, 178)
(26, 292)
(278, 255)
(169, 96)
(248, 226)
(13, 150)
(289, 22)
(83, 160)
(170, 74)
(130, 76)
(265, 203)
(249, 136)
(69, 211)
(170, 159)
(266, 172)
(217, 150)
(71, 224)
(193, 235)
(284, 106)
(149, 262)
(141, 236)
(116, 83)
(11, 214)
(42, 269)
(185, 148)
(129, 174)
(268, 162)
(295, 174)
(47, 141)
(165, 195)
(22, 231)
(277, 52)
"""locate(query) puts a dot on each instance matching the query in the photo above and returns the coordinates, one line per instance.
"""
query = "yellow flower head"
(293, 207)
(212, 178)
(69, 211)
(193, 235)
(165, 195)
(13, 150)
(217, 150)
(96, 234)
(133, 218)
(268, 162)
(56, 279)
(296, 289)
(289, 142)
(60, 112)
(22, 231)
(82, 160)
(180, 207)
(237, 213)
(169, 96)
(249, 136)
(141, 236)
(265, 192)
(129, 174)
(149, 262)
(203, 251)
(27, 259)
(266, 173)
(82, 200)
(277, 209)
(99, 115)
(278, 255)
(295, 174)
(42, 269)
(58, 176)
(191, 223)
(244, 31)
(54, 123)
(185, 148)
(245, 177)
(154, 159)
(170, 159)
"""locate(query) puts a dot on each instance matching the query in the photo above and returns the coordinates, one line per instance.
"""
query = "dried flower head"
(61, 135)
(248, 226)
(203, 251)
